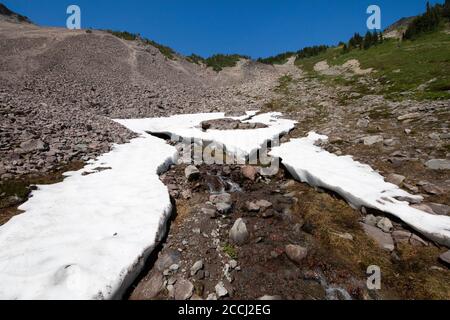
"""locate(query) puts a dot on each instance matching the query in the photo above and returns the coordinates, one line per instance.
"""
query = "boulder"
(296, 253)
(249, 172)
(384, 240)
(395, 179)
(438, 164)
(238, 233)
(386, 225)
(371, 140)
(183, 289)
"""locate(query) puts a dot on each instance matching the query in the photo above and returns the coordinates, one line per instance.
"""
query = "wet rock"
(238, 233)
(445, 257)
(249, 172)
(221, 291)
(192, 173)
(369, 141)
(438, 164)
(395, 179)
(183, 289)
(386, 225)
(296, 253)
(196, 267)
(384, 240)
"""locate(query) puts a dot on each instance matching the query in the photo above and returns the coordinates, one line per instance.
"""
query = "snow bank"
(87, 237)
(238, 142)
(359, 184)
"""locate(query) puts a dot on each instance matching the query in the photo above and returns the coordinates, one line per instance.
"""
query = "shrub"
(220, 61)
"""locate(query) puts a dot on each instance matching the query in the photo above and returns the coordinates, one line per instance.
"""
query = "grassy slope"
(400, 67)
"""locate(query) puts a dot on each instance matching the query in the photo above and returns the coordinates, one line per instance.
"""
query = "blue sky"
(257, 28)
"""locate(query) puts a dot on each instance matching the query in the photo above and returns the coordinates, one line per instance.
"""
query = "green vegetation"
(281, 58)
(125, 35)
(220, 61)
(429, 21)
(229, 250)
(308, 52)
(195, 59)
(358, 42)
(419, 68)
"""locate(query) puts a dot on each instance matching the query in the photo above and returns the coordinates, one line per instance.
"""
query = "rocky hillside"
(56, 109)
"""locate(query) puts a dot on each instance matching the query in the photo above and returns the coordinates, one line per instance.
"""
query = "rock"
(409, 116)
(440, 209)
(192, 173)
(363, 123)
(434, 136)
(270, 213)
(371, 220)
(238, 233)
(296, 253)
(221, 291)
(346, 236)
(288, 184)
(386, 225)
(33, 145)
(369, 141)
(423, 207)
(401, 236)
(183, 289)
(149, 289)
(196, 267)
(269, 298)
(438, 164)
(249, 172)
(395, 179)
(432, 189)
(263, 204)
(384, 240)
(233, 264)
(408, 131)
(169, 258)
(211, 296)
(218, 198)
(251, 207)
(223, 207)
(445, 257)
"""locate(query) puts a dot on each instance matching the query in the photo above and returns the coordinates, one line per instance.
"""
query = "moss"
(343, 260)
(230, 250)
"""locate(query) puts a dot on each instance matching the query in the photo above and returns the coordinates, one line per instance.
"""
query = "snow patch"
(87, 237)
(238, 142)
(358, 183)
